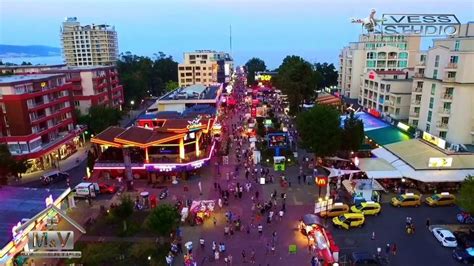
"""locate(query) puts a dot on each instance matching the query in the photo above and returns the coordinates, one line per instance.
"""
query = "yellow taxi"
(348, 220)
(366, 208)
(441, 199)
(406, 200)
(336, 209)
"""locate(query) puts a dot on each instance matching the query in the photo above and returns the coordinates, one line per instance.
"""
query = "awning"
(378, 168)
(387, 135)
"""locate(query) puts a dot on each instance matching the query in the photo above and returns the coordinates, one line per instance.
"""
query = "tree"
(320, 130)
(465, 199)
(6, 162)
(26, 63)
(163, 219)
(124, 210)
(101, 253)
(171, 86)
(328, 75)
(252, 66)
(99, 118)
(90, 160)
(297, 79)
(20, 167)
(352, 133)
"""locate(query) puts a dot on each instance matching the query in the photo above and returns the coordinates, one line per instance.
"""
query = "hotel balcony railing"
(452, 66)
(416, 102)
(449, 79)
(447, 97)
(418, 89)
(441, 125)
(414, 114)
(444, 111)
(37, 117)
(421, 64)
(419, 75)
(35, 104)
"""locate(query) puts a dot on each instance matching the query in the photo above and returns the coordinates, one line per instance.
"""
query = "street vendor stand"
(202, 209)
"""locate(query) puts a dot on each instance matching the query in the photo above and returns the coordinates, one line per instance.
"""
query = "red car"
(107, 189)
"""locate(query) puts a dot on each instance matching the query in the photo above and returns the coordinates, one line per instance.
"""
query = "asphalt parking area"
(417, 249)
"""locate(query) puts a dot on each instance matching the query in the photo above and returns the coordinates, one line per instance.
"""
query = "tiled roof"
(109, 134)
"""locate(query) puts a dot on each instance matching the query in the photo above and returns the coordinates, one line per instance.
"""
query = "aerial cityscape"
(268, 132)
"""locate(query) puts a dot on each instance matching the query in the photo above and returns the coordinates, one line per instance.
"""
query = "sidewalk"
(65, 165)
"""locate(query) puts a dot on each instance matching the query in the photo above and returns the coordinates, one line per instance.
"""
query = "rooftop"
(193, 92)
(389, 72)
(18, 203)
(26, 78)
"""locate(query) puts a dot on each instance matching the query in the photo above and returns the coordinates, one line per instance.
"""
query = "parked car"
(465, 240)
(107, 189)
(366, 208)
(406, 200)
(446, 238)
(335, 210)
(53, 177)
(348, 220)
(464, 255)
(441, 199)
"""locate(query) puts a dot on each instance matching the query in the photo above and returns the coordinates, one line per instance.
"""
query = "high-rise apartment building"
(443, 89)
(374, 52)
(88, 45)
(205, 67)
(36, 118)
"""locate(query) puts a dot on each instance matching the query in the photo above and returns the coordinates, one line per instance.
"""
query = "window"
(402, 63)
(435, 73)
(431, 102)
(433, 88)
(422, 58)
(415, 123)
(437, 61)
(388, 87)
(417, 110)
(403, 55)
(370, 63)
(454, 59)
(442, 134)
(399, 100)
(76, 103)
(397, 111)
(429, 116)
(451, 74)
(371, 55)
(456, 45)
(428, 128)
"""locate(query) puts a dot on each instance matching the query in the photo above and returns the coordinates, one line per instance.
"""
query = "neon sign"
(321, 181)
(194, 124)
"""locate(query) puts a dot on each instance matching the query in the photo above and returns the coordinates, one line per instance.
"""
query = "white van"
(86, 189)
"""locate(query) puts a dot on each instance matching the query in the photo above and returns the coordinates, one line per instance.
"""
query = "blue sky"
(269, 29)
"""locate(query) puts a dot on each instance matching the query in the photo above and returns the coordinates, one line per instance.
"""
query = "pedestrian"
(256, 195)
(252, 257)
(428, 222)
(373, 236)
(216, 255)
(299, 179)
(273, 249)
(200, 188)
(281, 213)
(215, 186)
(268, 248)
(394, 249)
(387, 249)
(201, 241)
(229, 258)
(260, 229)
(214, 246)
(314, 261)
(243, 257)
(219, 202)
(214, 220)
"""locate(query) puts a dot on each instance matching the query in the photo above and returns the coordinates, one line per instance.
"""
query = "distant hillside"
(28, 50)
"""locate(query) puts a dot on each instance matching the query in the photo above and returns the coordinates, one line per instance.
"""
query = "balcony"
(35, 118)
(442, 126)
(420, 64)
(444, 111)
(416, 102)
(414, 114)
(451, 66)
(446, 78)
(418, 89)
(419, 75)
(447, 97)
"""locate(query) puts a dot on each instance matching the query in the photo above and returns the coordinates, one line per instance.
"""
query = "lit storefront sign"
(264, 77)
(402, 126)
(321, 181)
(194, 124)
(440, 162)
(434, 140)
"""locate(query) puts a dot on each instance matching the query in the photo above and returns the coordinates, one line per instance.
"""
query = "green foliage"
(124, 210)
(297, 79)
(163, 219)
(26, 63)
(319, 130)
(6, 161)
(90, 160)
(465, 199)
(352, 133)
(101, 253)
(171, 86)
(142, 76)
(20, 167)
(328, 75)
(99, 118)
(252, 66)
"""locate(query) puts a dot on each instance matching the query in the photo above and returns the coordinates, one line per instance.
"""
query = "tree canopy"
(465, 199)
(352, 133)
(124, 210)
(328, 75)
(320, 130)
(163, 219)
(142, 76)
(254, 65)
(297, 79)
(8, 165)
(99, 118)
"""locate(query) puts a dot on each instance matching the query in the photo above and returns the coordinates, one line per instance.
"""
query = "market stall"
(202, 210)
